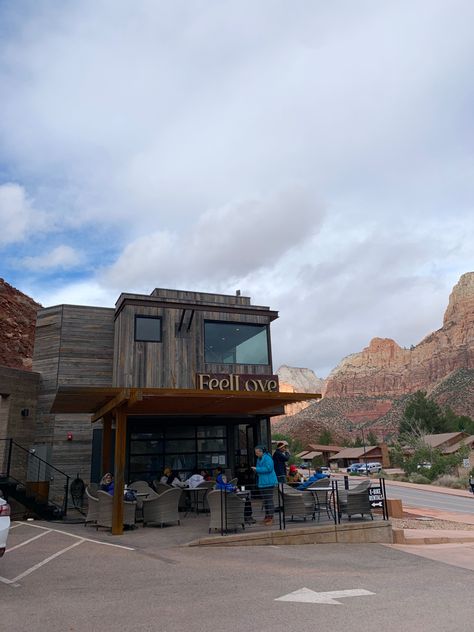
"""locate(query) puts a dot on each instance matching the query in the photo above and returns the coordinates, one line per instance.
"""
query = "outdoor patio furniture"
(163, 509)
(160, 487)
(297, 504)
(355, 501)
(93, 488)
(104, 519)
(197, 496)
(92, 507)
(140, 486)
(227, 511)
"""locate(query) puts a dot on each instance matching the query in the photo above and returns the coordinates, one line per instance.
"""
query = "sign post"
(377, 497)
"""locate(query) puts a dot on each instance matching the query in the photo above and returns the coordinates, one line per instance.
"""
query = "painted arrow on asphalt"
(305, 595)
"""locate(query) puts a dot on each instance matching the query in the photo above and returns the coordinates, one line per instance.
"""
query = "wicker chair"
(92, 507)
(227, 511)
(162, 509)
(140, 486)
(160, 487)
(298, 503)
(104, 519)
(356, 501)
(199, 498)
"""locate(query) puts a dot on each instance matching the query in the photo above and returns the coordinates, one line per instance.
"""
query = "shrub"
(454, 482)
(419, 478)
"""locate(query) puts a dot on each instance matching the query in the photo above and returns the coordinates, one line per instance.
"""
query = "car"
(303, 466)
(424, 466)
(4, 524)
(325, 470)
(355, 468)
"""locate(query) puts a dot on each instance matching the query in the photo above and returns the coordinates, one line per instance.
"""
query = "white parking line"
(73, 535)
(40, 535)
(48, 559)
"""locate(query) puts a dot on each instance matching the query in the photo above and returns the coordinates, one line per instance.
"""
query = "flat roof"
(98, 401)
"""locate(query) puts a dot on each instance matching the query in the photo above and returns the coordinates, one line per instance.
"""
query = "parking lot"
(71, 578)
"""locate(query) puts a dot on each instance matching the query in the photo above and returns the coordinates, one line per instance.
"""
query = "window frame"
(266, 326)
(146, 316)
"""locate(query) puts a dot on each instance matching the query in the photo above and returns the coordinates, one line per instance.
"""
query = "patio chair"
(160, 487)
(92, 507)
(140, 486)
(163, 509)
(104, 519)
(93, 488)
(356, 501)
(296, 503)
(227, 511)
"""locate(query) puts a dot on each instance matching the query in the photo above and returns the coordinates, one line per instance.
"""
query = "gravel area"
(426, 523)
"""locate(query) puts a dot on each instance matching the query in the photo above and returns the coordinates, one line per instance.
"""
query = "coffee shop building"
(175, 378)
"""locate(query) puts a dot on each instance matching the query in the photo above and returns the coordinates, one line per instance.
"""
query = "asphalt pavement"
(79, 580)
(431, 499)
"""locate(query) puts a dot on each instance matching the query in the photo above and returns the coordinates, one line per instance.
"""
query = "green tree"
(325, 438)
(371, 438)
(424, 411)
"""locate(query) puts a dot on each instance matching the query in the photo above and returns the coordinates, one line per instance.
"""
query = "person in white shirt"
(195, 479)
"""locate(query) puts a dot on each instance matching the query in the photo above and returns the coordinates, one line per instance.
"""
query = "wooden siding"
(174, 362)
(73, 345)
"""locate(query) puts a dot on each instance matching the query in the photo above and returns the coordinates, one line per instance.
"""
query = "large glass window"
(180, 447)
(147, 329)
(235, 343)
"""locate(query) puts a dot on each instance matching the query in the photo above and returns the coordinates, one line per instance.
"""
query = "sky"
(317, 156)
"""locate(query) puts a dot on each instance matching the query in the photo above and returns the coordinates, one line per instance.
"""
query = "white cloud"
(18, 218)
(61, 257)
(156, 140)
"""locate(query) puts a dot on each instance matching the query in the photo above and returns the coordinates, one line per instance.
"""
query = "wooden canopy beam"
(114, 403)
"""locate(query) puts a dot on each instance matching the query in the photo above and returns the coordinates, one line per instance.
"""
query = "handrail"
(31, 454)
(13, 442)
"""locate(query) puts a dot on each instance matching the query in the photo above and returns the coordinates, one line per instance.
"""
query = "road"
(430, 499)
(59, 582)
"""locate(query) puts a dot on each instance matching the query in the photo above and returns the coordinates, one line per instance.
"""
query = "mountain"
(370, 389)
(17, 327)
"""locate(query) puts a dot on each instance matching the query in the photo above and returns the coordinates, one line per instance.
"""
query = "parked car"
(325, 470)
(4, 524)
(424, 466)
(303, 466)
(355, 468)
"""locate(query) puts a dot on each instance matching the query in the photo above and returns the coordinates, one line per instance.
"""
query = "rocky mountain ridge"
(17, 327)
(370, 388)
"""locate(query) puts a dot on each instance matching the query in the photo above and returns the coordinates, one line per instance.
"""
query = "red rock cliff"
(384, 368)
(17, 327)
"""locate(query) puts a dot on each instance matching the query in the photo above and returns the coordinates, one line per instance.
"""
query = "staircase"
(26, 478)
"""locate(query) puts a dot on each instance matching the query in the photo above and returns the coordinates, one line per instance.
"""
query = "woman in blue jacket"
(266, 481)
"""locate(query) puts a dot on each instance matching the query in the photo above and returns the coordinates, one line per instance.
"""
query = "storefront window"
(235, 343)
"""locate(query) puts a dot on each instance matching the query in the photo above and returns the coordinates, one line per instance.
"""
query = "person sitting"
(195, 479)
(293, 475)
(107, 484)
(166, 474)
(221, 482)
(173, 479)
(223, 485)
(206, 476)
(317, 476)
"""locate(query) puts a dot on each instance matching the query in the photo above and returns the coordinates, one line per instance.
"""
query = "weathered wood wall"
(174, 362)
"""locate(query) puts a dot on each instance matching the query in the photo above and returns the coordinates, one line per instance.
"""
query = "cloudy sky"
(318, 156)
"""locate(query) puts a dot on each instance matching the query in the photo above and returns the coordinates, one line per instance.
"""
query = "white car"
(4, 524)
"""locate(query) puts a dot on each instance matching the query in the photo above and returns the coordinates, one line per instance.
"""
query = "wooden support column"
(106, 443)
(120, 447)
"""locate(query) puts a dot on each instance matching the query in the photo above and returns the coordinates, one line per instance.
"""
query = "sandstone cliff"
(17, 327)
(370, 389)
(386, 368)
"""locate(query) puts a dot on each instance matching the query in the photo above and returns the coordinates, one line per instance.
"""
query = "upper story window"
(235, 343)
(148, 328)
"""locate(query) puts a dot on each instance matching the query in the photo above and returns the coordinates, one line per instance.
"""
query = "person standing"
(266, 481)
(280, 458)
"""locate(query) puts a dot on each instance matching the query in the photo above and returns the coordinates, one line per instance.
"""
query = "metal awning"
(98, 401)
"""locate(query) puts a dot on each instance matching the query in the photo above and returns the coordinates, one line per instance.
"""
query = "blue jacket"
(222, 485)
(312, 479)
(266, 471)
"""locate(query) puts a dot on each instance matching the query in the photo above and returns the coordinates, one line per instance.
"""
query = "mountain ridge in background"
(371, 388)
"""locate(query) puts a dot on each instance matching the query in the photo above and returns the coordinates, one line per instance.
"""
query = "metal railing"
(33, 474)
